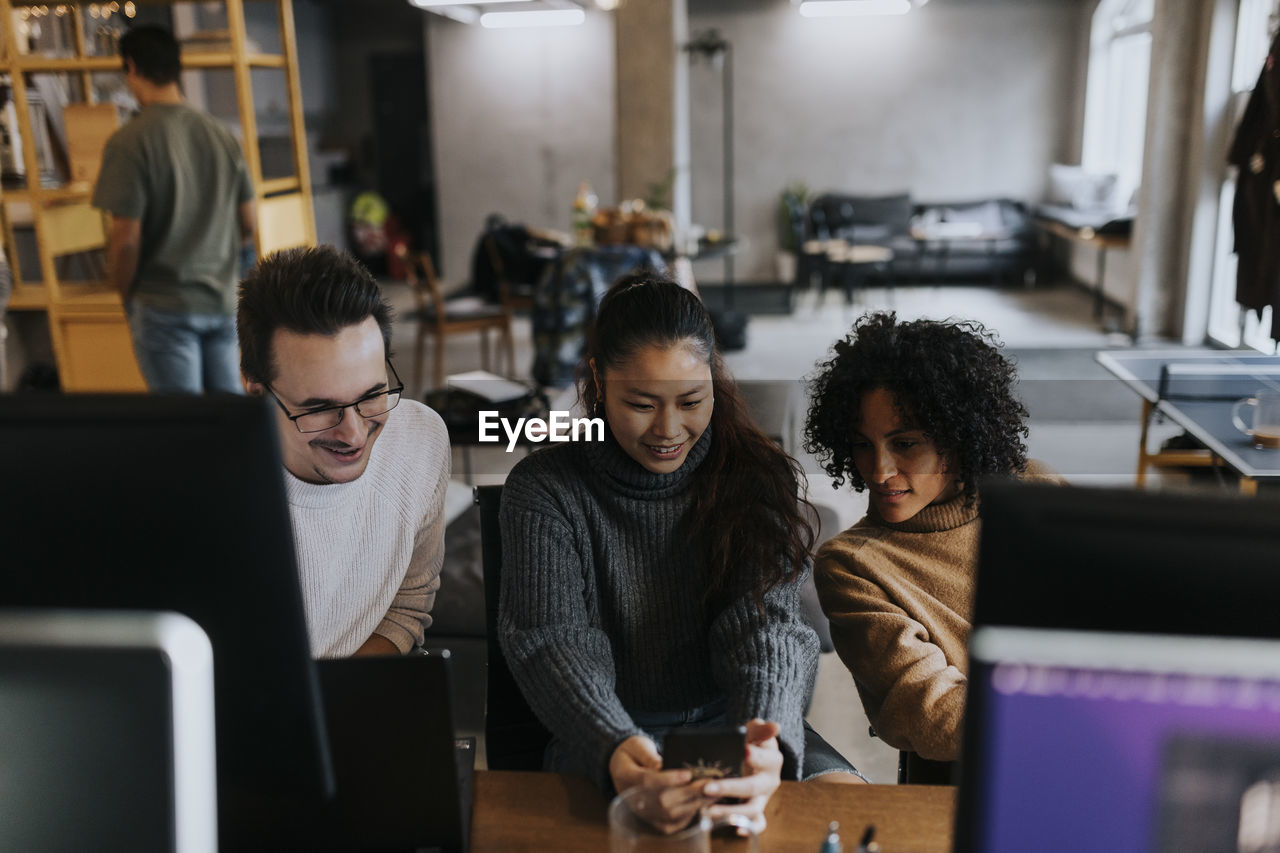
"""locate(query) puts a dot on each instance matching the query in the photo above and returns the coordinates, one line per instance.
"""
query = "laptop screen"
(1098, 741)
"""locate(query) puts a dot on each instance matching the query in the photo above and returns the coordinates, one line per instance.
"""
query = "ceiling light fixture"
(849, 8)
(534, 18)
(432, 4)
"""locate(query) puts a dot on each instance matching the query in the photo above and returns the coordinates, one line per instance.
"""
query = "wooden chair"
(444, 317)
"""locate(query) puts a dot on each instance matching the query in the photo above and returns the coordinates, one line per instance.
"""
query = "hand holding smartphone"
(709, 752)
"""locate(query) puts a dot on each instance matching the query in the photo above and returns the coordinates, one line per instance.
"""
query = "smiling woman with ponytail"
(744, 490)
(652, 579)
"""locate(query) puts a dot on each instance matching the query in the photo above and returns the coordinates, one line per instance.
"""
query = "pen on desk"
(867, 844)
(832, 842)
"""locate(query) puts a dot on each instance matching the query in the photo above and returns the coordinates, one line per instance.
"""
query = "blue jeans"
(182, 353)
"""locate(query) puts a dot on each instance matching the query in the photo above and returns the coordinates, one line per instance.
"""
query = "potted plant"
(793, 205)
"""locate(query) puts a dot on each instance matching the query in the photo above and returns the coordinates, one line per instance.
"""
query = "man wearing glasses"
(365, 470)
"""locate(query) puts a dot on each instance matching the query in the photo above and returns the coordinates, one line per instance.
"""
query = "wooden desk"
(546, 811)
(1201, 387)
(1088, 237)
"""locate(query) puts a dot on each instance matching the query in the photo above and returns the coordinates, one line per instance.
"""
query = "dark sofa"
(991, 239)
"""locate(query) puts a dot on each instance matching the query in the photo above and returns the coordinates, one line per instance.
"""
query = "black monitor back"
(1121, 560)
(176, 503)
(404, 783)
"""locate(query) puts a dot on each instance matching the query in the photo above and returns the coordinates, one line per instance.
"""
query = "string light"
(129, 9)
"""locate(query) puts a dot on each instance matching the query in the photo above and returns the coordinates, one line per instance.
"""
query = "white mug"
(1265, 431)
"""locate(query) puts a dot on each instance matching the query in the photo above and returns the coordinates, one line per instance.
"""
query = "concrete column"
(1171, 163)
(653, 100)
(1215, 131)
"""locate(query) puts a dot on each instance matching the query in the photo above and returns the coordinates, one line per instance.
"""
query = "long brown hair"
(750, 517)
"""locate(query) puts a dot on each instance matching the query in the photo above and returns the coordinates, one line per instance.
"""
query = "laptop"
(404, 779)
(1079, 741)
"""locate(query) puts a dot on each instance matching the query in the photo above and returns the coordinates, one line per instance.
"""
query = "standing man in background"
(176, 186)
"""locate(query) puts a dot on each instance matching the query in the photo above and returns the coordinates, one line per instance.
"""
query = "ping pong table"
(1196, 391)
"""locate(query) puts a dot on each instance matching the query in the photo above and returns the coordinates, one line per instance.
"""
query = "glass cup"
(1265, 431)
(631, 832)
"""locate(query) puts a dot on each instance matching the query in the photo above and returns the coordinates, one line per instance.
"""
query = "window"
(1115, 120)
(1228, 324)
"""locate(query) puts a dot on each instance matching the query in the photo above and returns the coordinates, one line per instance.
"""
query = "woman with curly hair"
(652, 580)
(916, 413)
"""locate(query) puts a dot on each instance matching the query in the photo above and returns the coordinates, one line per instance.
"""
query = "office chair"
(510, 259)
(515, 296)
(514, 739)
(914, 770)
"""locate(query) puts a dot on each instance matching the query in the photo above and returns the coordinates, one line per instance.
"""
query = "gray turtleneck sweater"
(601, 612)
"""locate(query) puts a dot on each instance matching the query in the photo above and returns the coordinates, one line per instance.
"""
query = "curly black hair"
(948, 378)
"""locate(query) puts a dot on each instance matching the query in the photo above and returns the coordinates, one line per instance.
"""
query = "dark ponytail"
(748, 519)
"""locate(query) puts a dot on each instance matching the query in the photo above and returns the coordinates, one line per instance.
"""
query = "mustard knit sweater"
(900, 600)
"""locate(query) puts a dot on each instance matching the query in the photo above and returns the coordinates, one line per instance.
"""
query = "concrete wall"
(520, 117)
(960, 99)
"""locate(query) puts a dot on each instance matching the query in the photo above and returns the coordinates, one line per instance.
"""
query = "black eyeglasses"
(328, 417)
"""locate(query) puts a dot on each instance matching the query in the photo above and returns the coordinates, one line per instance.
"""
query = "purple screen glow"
(1073, 759)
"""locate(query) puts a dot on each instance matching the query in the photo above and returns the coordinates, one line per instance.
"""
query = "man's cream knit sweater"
(370, 551)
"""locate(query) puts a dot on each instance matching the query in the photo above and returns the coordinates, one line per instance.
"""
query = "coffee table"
(849, 263)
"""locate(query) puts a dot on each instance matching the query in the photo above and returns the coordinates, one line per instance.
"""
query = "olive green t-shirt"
(182, 173)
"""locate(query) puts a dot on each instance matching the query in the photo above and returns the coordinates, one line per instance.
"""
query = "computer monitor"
(1081, 740)
(1124, 560)
(1121, 566)
(177, 503)
(106, 732)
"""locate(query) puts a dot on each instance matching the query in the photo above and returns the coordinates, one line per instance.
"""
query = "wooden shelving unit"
(86, 320)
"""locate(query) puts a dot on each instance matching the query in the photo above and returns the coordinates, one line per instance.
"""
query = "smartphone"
(711, 752)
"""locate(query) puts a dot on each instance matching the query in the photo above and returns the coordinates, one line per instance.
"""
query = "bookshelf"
(87, 327)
